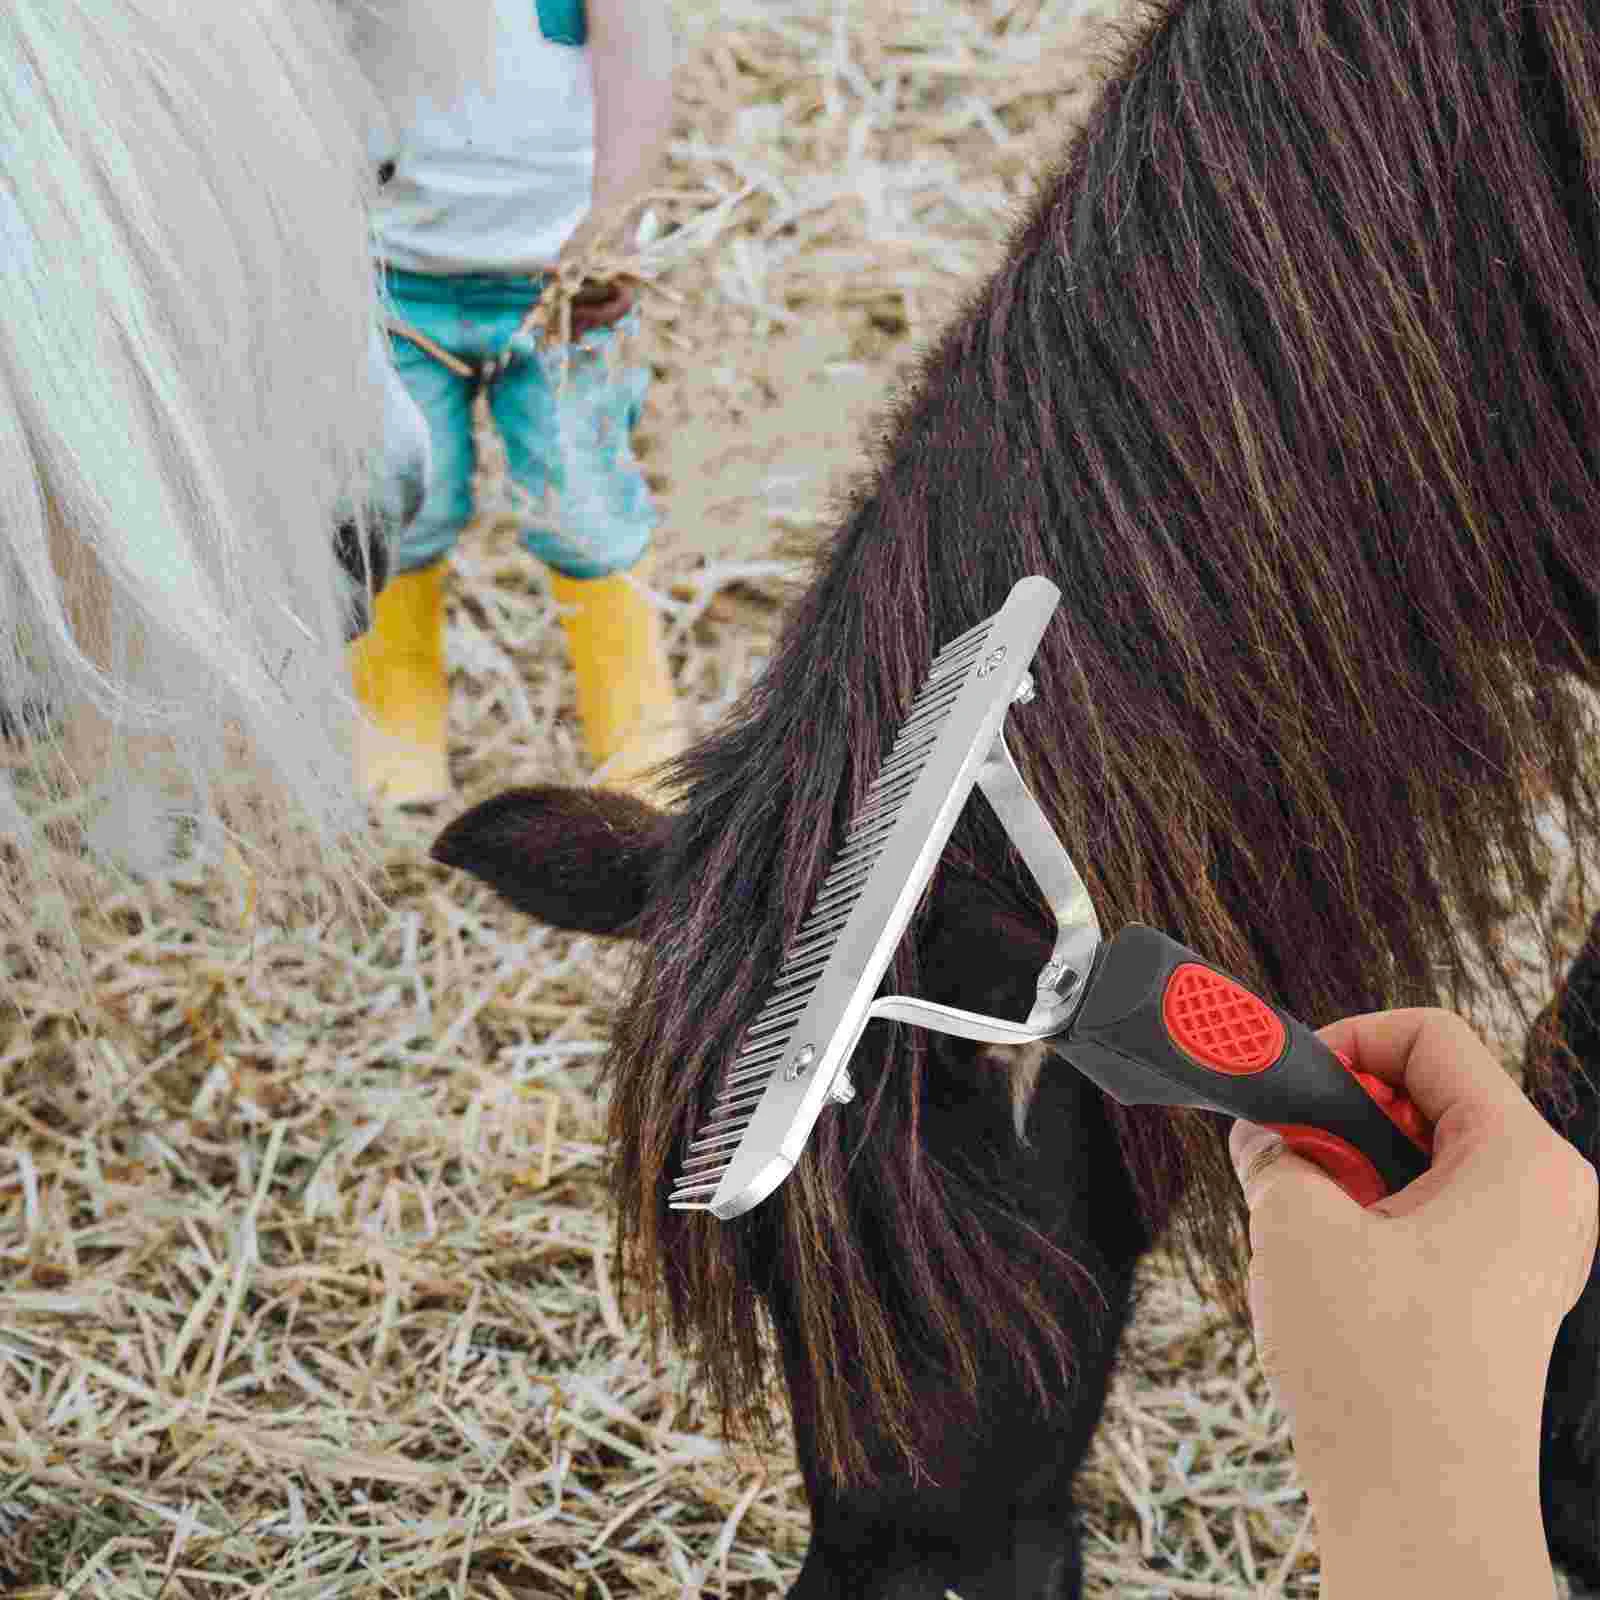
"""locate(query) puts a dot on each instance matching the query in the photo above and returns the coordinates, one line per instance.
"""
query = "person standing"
(481, 202)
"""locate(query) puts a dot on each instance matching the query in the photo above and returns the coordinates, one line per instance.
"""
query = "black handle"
(1161, 1026)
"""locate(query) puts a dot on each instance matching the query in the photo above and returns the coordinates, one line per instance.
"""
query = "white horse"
(197, 415)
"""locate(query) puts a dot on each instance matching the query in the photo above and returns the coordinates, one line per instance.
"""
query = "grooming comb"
(1145, 1018)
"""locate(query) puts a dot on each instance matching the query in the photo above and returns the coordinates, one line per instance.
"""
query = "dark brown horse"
(1291, 382)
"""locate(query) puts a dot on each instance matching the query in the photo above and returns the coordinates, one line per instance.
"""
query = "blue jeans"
(588, 512)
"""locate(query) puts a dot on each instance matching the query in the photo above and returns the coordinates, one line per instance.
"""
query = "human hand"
(602, 303)
(1415, 1335)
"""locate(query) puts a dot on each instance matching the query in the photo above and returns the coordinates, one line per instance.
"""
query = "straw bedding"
(304, 1256)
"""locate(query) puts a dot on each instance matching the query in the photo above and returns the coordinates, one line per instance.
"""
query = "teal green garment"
(567, 444)
(563, 21)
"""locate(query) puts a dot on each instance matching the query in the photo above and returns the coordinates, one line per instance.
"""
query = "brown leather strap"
(404, 330)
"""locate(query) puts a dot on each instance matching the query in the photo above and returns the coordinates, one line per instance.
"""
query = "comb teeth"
(767, 1039)
(791, 1054)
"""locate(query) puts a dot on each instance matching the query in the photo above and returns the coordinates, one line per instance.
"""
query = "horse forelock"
(1290, 383)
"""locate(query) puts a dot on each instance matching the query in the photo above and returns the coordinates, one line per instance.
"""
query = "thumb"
(1255, 1151)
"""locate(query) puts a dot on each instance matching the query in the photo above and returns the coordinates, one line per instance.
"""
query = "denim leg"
(446, 401)
(568, 447)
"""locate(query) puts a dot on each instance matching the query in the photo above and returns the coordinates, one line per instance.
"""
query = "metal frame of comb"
(1063, 978)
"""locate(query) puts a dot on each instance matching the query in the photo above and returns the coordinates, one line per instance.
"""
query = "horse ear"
(579, 859)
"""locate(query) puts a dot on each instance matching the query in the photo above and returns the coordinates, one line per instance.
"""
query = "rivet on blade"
(800, 1063)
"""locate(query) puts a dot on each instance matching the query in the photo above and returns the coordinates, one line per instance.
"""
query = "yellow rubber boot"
(626, 708)
(399, 675)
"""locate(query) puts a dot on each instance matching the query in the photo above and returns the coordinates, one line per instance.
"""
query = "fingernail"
(1246, 1141)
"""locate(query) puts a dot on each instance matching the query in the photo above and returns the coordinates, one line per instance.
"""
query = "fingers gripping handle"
(1159, 1026)
(1343, 1162)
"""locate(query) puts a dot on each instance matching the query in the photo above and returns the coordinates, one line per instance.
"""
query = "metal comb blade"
(792, 1057)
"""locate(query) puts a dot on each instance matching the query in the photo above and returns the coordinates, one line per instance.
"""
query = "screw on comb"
(792, 1058)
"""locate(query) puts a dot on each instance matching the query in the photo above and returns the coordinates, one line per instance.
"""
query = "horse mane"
(187, 404)
(1291, 382)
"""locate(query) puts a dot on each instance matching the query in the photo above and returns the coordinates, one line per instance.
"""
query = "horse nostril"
(367, 570)
(378, 562)
(414, 490)
(347, 551)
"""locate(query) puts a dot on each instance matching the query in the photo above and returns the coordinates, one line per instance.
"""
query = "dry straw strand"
(304, 1259)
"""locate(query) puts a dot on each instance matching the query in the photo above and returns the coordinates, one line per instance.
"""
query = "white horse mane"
(187, 305)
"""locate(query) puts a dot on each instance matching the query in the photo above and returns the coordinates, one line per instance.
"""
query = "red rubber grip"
(1341, 1160)
(1219, 1022)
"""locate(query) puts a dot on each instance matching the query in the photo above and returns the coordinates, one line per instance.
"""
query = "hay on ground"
(304, 1253)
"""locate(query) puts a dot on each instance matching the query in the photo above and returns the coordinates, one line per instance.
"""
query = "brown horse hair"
(1291, 382)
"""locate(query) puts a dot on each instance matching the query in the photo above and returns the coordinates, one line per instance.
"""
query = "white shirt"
(494, 184)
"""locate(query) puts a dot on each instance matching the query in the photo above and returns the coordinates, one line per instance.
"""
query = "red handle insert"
(1219, 1023)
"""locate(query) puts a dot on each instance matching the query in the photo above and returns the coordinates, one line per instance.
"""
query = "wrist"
(1471, 1529)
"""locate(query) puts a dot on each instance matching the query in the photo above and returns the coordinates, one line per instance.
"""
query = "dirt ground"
(305, 1279)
